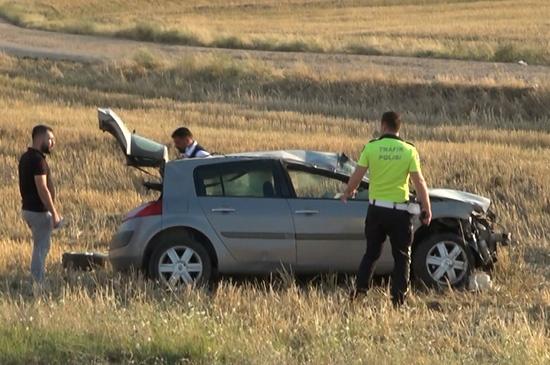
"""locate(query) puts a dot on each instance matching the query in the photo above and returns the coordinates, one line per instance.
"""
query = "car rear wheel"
(180, 261)
(442, 260)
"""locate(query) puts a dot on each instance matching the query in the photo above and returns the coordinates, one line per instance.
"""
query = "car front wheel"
(178, 262)
(442, 260)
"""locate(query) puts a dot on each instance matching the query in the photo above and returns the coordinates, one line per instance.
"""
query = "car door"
(244, 203)
(329, 233)
(139, 151)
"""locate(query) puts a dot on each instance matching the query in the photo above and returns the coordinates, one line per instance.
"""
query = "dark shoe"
(357, 294)
(398, 302)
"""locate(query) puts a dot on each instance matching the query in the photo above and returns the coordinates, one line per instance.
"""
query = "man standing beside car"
(186, 145)
(38, 197)
(390, 162)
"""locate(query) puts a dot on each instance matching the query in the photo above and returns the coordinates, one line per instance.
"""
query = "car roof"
(316, 159)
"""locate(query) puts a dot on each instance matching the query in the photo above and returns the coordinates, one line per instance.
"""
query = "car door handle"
(223, 210)
(307, 212)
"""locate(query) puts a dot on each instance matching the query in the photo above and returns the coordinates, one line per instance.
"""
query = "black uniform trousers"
(397, 224)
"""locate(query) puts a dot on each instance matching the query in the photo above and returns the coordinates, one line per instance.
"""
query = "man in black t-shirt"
(38, 197)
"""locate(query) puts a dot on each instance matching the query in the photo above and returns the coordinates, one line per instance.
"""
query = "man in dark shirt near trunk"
(186, 145)
(38, 196)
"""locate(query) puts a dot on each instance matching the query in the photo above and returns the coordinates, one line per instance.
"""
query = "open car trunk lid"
(139, 151)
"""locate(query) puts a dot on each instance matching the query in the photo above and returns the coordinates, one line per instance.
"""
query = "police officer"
(186, 145)
(390, 162)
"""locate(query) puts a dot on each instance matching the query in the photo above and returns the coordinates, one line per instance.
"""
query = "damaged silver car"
(258, 212)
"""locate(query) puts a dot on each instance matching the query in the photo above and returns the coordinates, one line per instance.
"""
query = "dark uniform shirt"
(31, 164)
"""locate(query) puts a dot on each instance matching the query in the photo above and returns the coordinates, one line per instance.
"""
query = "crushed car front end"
(477, 223)
(482, 236)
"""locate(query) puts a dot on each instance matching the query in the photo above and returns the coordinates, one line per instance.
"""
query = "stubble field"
(488, 135)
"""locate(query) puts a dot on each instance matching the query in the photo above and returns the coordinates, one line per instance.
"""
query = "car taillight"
(146, 210)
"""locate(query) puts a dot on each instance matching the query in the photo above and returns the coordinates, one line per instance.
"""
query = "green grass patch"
(154, 33)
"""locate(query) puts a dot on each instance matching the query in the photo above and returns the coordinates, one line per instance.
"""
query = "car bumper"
(486, 238)
(126, 247)
(123, 260)
(503, 238)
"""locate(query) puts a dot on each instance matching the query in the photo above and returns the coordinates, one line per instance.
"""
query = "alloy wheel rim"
(447, 262)
(179, 266)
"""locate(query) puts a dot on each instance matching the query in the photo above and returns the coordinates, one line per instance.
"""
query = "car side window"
(308, 185)
(237, 179)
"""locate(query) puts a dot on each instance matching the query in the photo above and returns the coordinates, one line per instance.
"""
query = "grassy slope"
(106, 318)
(480, 30)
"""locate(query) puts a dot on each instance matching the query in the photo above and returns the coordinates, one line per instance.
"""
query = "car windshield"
(345, 164)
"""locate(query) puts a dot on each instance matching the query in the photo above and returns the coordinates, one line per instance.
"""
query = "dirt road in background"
(32, 43)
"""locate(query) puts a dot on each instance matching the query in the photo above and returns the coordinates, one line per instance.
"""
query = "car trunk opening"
(139, 151)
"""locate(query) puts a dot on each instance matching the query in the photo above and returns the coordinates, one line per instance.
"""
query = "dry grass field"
(494, 30)
(482, 135)
(486, 133)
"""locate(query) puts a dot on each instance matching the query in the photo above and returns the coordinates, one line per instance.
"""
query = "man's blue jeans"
(41, 226)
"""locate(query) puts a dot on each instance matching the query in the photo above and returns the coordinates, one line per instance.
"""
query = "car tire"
(442, 260)
(83, 260)
(179, 260)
